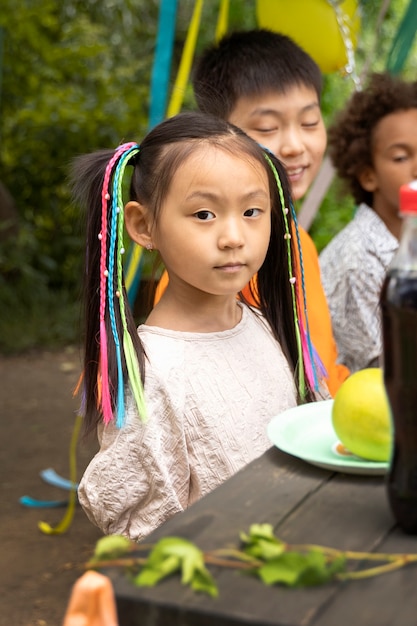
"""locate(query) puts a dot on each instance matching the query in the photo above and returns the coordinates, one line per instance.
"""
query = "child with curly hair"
(373, 146)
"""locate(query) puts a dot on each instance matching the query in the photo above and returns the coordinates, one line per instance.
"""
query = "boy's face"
(291, 126)
(394, 155)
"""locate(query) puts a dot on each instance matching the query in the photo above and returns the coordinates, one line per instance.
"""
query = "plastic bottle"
(399, 326)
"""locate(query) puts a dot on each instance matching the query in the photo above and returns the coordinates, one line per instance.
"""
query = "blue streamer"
(162, 62)
(51, 477)
(160, 78)
(42, 504)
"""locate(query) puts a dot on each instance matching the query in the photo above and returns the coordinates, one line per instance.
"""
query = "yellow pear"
(361, 415)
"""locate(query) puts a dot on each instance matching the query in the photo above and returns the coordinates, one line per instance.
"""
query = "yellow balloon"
(314, 25)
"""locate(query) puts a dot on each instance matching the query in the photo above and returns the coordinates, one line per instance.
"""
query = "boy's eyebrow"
(268, 111)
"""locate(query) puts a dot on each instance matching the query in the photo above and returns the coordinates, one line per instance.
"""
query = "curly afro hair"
(350, 135)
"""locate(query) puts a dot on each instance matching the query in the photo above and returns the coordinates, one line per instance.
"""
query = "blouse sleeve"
(353, 298)
(140, 476)
(359, 326)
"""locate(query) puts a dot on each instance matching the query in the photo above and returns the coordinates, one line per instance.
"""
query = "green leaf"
(265, 550)
(285, 569)
(295, 569)
(320, 575)
(174, 554)
(154, 573)
(204, 582)
(111, 547)
(262, 531)
(261, 542)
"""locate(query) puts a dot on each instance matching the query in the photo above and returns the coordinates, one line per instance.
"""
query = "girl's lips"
(230, 267)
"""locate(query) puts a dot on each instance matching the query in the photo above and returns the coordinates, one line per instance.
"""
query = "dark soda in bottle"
(399, 328)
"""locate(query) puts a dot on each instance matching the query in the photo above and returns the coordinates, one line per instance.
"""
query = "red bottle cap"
(408, 197)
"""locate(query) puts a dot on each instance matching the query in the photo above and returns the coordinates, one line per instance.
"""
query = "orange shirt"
(317, 310)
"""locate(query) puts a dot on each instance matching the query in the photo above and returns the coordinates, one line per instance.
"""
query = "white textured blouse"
(209, 398)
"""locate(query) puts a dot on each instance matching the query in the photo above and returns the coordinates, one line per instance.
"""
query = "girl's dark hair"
(248, 63)
(350, 136)
(162, 151)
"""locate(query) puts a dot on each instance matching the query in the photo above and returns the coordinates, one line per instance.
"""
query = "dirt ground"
(37, 418)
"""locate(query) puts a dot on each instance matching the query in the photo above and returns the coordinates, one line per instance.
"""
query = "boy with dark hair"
(373, 145)
(267, 85)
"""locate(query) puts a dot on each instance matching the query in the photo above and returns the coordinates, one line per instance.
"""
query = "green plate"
(306, 432)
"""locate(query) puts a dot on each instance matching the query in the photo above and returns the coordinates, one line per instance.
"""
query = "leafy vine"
(262, 555)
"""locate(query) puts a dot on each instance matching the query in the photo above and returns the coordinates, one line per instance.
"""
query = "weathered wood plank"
(305, 504)
(386, 600)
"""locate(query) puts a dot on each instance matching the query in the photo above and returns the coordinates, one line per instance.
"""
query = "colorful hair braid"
(308, 360)
(313, 364)
(111, 242)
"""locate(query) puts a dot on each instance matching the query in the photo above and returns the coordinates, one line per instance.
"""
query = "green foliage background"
(75, 77)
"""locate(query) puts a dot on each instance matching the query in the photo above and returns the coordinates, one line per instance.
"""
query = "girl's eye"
(252, 212)
(204, 215)
(398, 158)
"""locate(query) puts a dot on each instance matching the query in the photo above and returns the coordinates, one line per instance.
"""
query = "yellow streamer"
(65, 523)
(222, 20)
(181, 81)
(133, 265)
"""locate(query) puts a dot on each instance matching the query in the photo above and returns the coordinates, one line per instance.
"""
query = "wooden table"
(305, 504)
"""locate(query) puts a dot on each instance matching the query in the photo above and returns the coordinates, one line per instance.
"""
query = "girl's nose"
(231, 235)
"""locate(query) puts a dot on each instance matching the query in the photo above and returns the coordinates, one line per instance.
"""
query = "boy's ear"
(138, 224)
(368, 179)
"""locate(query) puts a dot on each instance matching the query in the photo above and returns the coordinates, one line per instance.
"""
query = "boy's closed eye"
(310, 118)
(310, 124)
(269, 129)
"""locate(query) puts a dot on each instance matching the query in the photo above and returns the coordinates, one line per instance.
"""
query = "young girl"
(214, 370)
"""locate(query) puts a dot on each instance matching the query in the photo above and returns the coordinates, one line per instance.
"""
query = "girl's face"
(291, 126)
(394, 155)
(214, 226)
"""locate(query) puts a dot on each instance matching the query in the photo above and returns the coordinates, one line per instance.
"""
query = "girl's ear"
(368, 179)
(138, 224)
